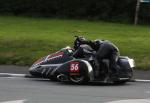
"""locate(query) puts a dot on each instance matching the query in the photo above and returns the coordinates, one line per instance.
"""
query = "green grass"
(23, 39)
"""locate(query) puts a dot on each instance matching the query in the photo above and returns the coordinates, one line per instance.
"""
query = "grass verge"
(23, 39)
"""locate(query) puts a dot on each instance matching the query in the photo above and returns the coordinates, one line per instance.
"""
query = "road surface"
(32, 90)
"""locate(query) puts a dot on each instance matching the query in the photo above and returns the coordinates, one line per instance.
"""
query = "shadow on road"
(73, 84)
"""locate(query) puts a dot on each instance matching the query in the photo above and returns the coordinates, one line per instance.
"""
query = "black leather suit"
(105, 50)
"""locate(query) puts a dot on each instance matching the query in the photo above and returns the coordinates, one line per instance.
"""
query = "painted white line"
(15, 101)
(131, 101)
(41, 79)
(24, 75)
(141, 80)
(147, 92)
(12, 78)
(12, 75)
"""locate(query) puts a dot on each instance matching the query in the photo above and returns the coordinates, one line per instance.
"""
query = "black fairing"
(66, 69)
(125, 69)
(44, 66)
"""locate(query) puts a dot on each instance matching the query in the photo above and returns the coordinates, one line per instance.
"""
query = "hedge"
(109, 10)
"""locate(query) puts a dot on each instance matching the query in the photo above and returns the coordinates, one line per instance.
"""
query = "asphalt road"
(24, 70)
(44, 91)
(32, 90)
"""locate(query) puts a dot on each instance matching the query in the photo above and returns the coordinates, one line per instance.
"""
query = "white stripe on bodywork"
(47, 65)
(131, 62)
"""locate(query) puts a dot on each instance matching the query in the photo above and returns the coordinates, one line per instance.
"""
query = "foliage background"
(108, 10)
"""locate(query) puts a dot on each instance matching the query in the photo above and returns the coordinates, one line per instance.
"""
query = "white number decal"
(74, 67)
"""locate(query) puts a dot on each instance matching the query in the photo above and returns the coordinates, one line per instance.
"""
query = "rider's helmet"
(77, 42)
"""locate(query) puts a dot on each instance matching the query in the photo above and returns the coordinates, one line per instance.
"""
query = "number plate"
(74, 67)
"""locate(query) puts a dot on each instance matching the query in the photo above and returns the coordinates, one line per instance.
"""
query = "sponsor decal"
(41, 60)
(54, 56)
(49, 57)
(74, 67)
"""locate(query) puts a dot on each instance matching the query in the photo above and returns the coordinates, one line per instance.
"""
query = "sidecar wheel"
(78, 79)
(120, 82)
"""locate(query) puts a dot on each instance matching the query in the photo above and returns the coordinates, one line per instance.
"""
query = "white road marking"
(12, 78)
(12, 75)
(131, 101)
(141, 80)
(147, 92)
(46, 79)
(15, 101)
(24, 75)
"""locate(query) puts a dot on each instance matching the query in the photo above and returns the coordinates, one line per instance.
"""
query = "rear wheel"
(120, 82)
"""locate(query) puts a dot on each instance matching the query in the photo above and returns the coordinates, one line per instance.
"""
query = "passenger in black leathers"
(104, 50)
(83, 51)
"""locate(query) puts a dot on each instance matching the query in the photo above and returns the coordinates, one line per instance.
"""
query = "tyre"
(78, 79)
(120, 82)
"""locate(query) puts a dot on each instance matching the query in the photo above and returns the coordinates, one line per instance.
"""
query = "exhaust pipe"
(62, 78)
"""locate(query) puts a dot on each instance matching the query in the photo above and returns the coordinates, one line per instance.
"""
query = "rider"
(104, 50)
(82, 50)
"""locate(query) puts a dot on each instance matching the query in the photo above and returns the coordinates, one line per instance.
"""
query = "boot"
(115, 72)
(96, 70)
